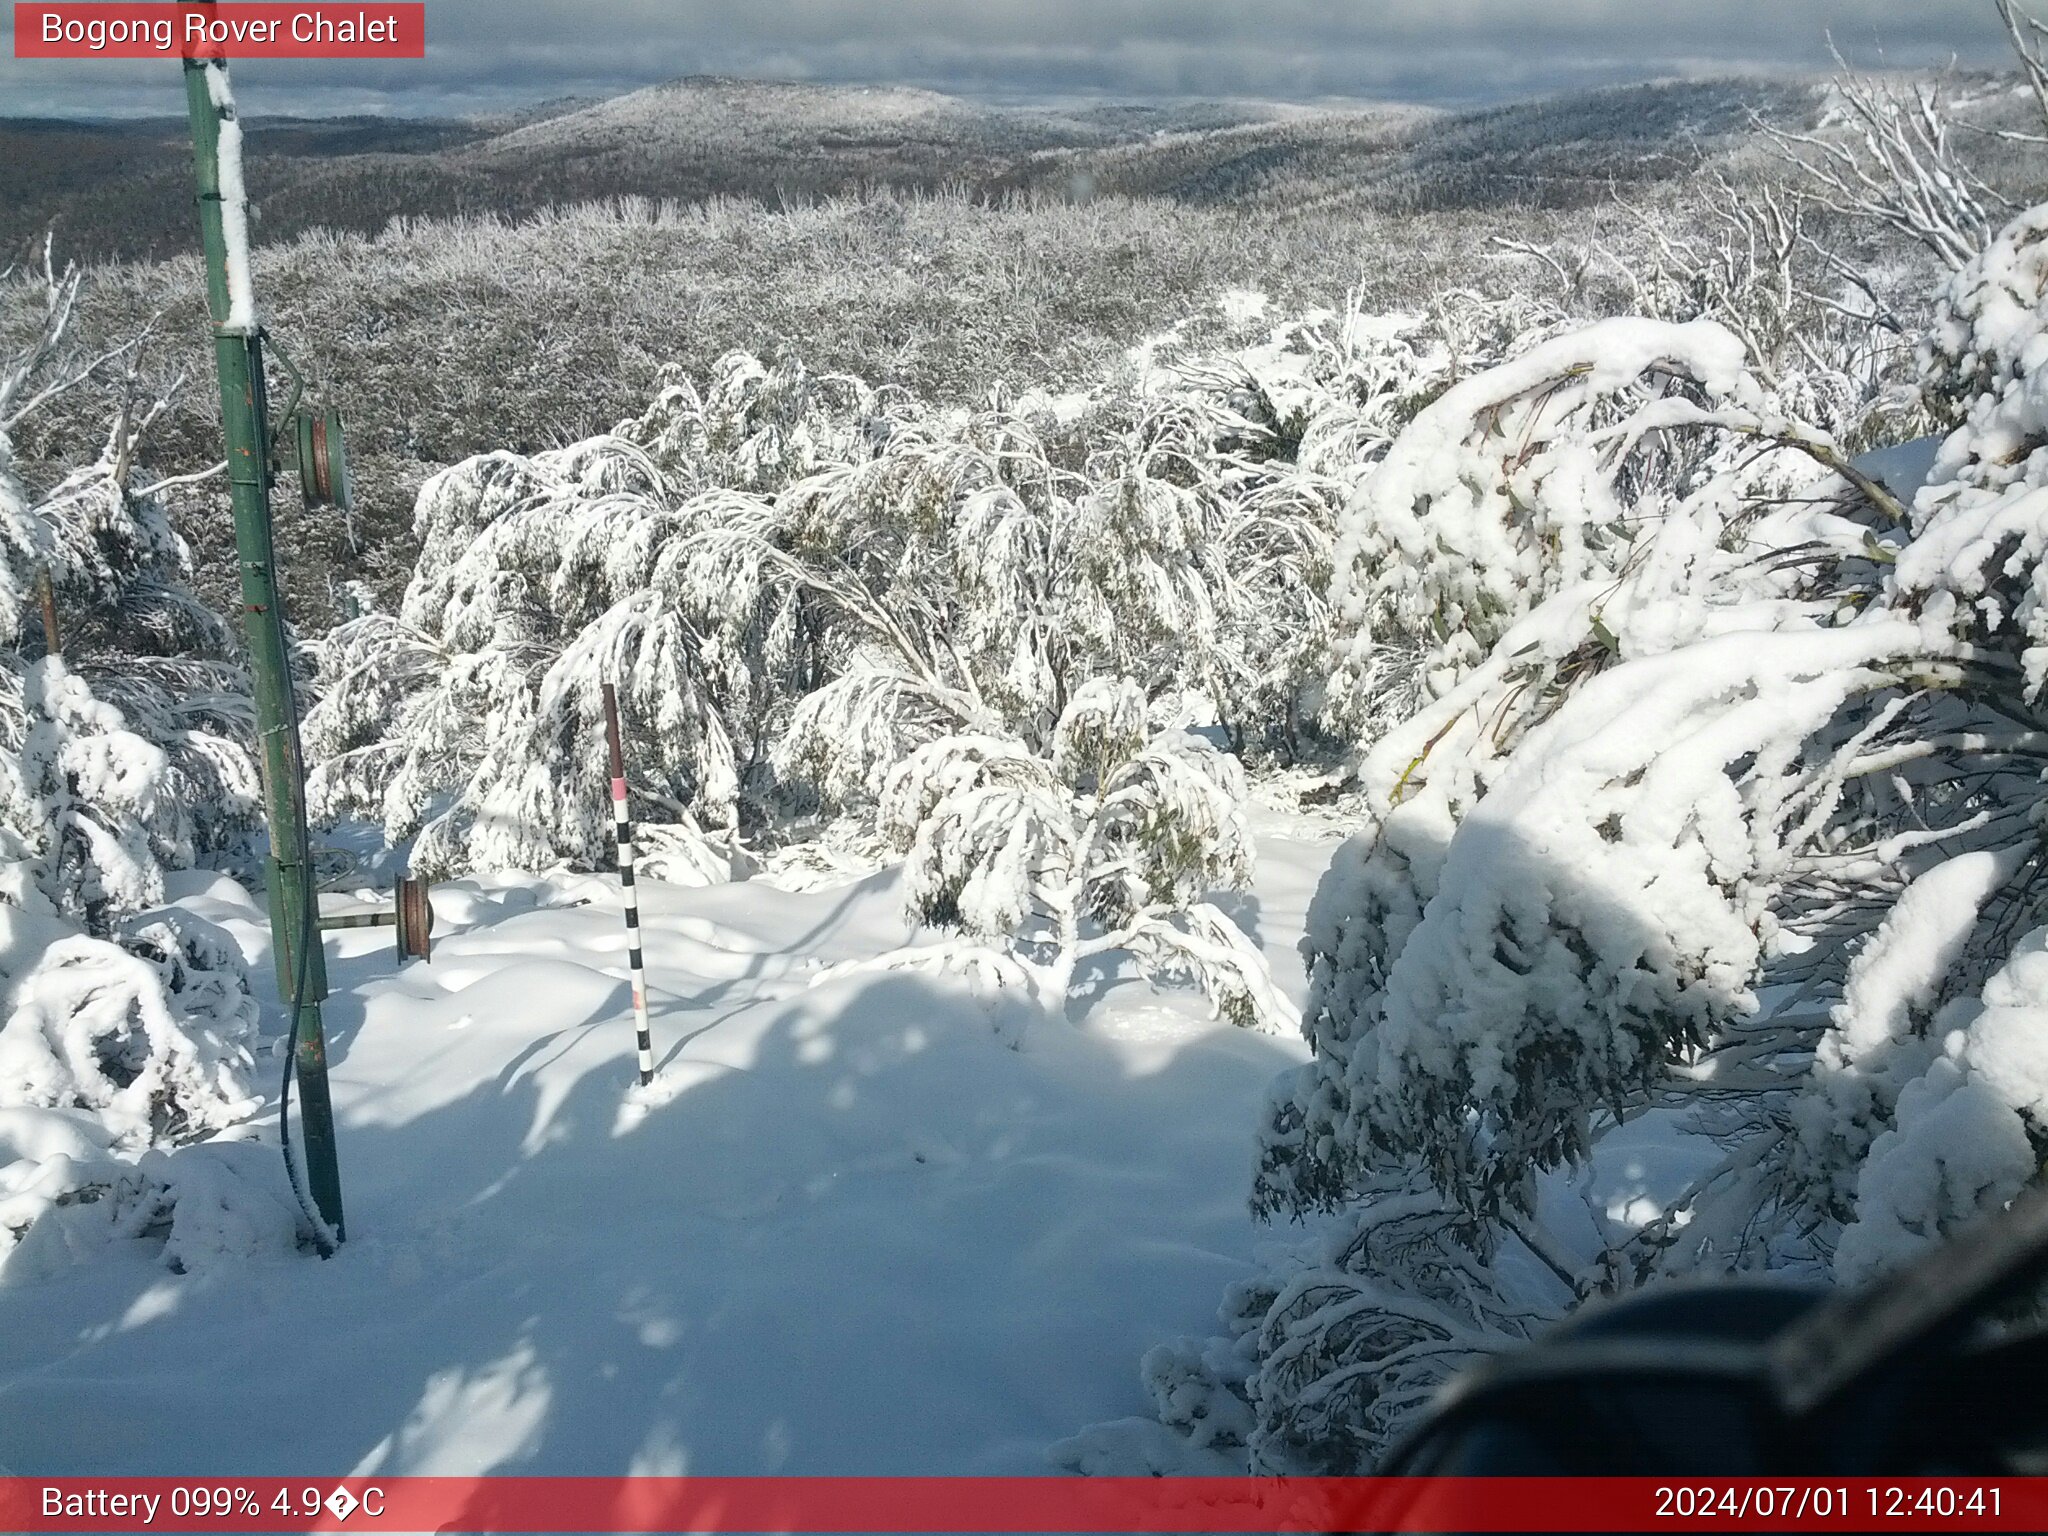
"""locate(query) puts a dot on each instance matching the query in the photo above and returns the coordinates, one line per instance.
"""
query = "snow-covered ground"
(864, 1228)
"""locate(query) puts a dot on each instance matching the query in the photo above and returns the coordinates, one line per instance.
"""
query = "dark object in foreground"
(1921, 1374)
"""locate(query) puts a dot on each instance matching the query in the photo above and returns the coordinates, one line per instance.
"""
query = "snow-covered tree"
(1527, 819)
(84, 800)
(1113, 844)
(1627, 845)
(473, 717)
(785, 628)
(1888, 154)
(130, 754)
(125, 1028)
(816, 578)
(1931, 1066)
(760, 427)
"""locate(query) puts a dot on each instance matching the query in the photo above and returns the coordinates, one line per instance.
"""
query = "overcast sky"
(485, 54)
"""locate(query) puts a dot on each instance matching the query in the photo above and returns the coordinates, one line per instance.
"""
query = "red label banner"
(1018, 1504)
(242, 31)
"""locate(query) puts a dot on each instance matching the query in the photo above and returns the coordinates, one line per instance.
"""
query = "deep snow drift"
(864, 1227)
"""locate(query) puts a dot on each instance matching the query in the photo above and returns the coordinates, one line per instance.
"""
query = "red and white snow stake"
(626, 886)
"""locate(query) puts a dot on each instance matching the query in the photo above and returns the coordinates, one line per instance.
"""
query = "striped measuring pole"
(626, 886)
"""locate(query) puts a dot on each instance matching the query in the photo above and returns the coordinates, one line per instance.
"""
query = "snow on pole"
(626, 885)
(234, 203)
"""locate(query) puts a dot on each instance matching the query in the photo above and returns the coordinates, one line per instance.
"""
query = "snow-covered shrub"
(758, 427)
(1933, 1067)
(832, 575)
(1819, 330)
(1191, 550)
(1111, 844)
(1975, 566)
(1694, 703)
(131, 754)
(786, 625)
(66, 1201)
(1889, 1026)
(1610, 807)
(112, 1051)
(135, 633)
(1612, 567)
(814, 578)
(1964, 1134)
(86, 800)
(1329, 1353)
(1508, 488)
(151, 1034)
(985, 586)
(124, 753)
(473, 718)
(1365, 1326)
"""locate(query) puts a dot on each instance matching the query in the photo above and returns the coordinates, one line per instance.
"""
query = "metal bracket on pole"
(282, 426)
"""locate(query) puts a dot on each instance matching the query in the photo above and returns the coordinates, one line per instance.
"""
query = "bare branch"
(2027, 36)
(1897, 165)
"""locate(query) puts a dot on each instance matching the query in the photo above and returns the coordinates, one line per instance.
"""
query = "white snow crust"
(234, 204)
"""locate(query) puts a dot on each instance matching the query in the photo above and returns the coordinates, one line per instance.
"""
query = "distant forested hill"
(524, 280)
(123, 189)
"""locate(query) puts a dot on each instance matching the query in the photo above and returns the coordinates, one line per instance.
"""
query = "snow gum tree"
(129, 754)
(1112, 844)
(1935, 1051)
(821, 599)
(1714, 802)
(797, 581)
(472, 718)
(123, 1030)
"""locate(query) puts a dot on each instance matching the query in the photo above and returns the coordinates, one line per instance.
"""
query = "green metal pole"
(238, 354)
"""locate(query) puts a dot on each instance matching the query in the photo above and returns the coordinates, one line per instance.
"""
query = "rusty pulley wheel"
(323, 459)
(415, 919)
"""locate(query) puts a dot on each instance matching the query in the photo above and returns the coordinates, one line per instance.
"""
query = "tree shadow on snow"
(863, 1236)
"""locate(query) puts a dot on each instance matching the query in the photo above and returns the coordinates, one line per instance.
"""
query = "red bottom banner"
(1018, 1504)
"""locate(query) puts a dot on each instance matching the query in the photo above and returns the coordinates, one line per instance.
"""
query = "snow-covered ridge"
(687, 108)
